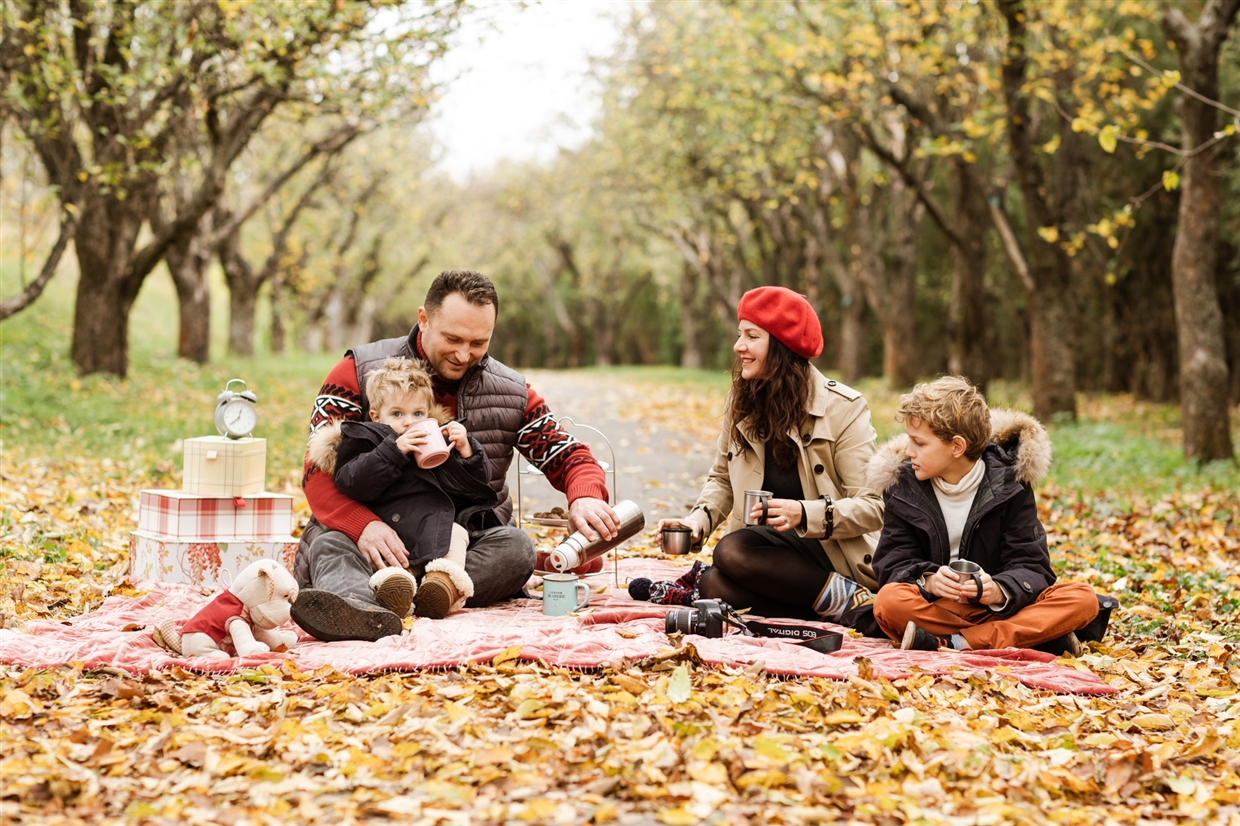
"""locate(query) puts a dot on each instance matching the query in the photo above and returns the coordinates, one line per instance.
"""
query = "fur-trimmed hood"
(1022, 438)
(324, 444)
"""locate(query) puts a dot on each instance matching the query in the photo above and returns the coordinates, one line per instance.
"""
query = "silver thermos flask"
(576, 550)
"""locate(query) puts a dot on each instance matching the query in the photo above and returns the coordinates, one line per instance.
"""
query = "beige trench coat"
(836, 441)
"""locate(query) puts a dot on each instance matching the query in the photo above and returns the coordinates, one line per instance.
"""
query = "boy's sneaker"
(394, 589)
(330, 618)
(1066, 646)
(918, 639)
(839, 594)
(436, 596)
(1097, 629)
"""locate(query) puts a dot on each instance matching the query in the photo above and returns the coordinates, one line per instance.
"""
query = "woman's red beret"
(786, 315)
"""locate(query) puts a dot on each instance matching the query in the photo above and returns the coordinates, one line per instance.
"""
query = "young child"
(375, 463)
(965, 492)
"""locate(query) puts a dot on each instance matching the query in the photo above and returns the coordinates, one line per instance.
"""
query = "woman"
(806, 439)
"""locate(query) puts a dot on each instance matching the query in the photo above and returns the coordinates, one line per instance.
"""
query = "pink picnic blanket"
(614, 629)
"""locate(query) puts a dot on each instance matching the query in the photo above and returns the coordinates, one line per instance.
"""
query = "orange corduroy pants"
(1063, 607)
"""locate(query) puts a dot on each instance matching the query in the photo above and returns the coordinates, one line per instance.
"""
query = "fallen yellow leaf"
(1153, 722)
(486, 756)
(678, 817)
(510, 653)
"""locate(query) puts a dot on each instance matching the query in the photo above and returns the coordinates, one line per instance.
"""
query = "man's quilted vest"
(490, 402)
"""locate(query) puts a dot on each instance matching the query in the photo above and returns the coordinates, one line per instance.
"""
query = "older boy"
(965, 493)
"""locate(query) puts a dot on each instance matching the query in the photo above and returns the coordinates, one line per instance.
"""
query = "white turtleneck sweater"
(956, 500)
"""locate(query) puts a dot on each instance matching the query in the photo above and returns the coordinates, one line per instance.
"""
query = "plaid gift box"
(216, 466)
(206, 563)
(178, 514)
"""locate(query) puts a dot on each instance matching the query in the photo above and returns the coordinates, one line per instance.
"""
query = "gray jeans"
(499, 561)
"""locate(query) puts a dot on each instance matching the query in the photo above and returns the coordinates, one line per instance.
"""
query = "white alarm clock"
(235, 413)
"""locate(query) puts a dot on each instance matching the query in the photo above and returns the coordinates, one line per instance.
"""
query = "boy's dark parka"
(1002, 533)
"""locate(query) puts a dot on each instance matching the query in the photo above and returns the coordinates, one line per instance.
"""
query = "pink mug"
(435, 452)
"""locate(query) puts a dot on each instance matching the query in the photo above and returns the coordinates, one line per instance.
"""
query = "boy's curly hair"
(397, 376)
(950, 406)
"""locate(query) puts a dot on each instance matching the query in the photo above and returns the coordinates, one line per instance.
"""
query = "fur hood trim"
(323, 446)
(324, 443)
(1015, 431)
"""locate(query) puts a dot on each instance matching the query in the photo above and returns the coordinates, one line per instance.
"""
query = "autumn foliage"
(666, 740)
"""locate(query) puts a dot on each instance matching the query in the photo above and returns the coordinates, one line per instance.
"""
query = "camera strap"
(805, 635)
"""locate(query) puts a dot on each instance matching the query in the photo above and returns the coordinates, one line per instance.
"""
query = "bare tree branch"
(68, 226)
(1010, 243)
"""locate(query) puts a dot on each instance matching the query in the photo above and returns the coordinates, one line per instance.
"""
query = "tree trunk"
(852, 340)
(243, 287)
(312, 338)
(900, 304)
(1053, 372)
(551, 356)
(966, 346)
(242, 304)
(1229, 290)
(104, 245)
(277, 315)
(576, 347)
(363, 326)
(187, 263)
(101, 325)
(605, 343)
(691, 352)
(1199, 318)
(1050, 334)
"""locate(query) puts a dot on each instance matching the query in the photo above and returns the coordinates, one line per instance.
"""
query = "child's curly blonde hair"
(950, 406)
(397, 377)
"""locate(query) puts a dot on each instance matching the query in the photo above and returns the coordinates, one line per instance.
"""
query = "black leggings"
(774, 574)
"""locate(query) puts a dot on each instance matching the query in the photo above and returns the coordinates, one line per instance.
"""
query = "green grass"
(1118, 446)
(1101, 455)
(47, 410)
(1118, 449)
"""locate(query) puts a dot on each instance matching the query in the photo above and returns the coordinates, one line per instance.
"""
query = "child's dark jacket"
(420, 505)
(1002, 533)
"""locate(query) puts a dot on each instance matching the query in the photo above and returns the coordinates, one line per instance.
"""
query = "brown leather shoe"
(436, 596)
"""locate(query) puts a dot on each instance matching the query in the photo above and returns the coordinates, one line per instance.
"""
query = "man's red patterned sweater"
(565, 461)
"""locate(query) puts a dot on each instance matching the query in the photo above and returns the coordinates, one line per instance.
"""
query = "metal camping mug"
(560, 594)
(754, 498)
(969, 569)
(677, 540)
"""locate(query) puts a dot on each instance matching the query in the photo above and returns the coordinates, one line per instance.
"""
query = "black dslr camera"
(706, 618)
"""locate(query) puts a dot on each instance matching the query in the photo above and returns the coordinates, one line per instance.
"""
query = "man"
(346, 552)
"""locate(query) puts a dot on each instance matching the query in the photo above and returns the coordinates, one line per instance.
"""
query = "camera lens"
(679, 621)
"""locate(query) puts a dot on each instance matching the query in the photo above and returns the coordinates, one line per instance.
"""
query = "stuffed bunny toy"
(241, 619)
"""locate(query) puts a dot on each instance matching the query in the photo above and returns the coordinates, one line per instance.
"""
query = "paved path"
(663, 434)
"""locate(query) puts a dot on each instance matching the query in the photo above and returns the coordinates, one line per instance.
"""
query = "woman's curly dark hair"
(773, 405)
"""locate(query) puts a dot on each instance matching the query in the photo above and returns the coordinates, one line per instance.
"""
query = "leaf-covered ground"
(664, 741)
